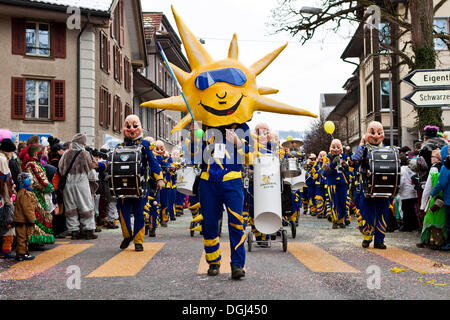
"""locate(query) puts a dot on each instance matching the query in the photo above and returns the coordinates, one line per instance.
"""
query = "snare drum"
(290, 168)
(186, 177)
(380, 173)
(128, 179)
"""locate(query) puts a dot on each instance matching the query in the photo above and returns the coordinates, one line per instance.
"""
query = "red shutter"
(101, 109)
(115, 114)
(130, 70)
(102, 51)
(58, 36)
(18, 36)
(59, 100)
(108, 119)
(120, 67)
(18, 98)
(111, 26)
(108, 43)
(120, 116)
(122, 24)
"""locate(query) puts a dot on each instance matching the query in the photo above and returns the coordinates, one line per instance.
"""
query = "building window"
(127, 73)
(117, 114)
(385, 89)
(37, 37)
(384, 36)
(369, 88)
(118, 64)
(440, 26)
(37, 101)
(105, 108)
(105, 55)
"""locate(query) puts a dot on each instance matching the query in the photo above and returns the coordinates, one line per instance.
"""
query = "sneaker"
(379, 245)
(366, 243)
(138, 247)
(213, 269)
(24, 257)
(111, 225)
(237, 272)
(125, 243)
(173, 219)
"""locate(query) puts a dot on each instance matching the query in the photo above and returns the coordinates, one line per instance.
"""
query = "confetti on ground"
(433, 282)
(398, 270)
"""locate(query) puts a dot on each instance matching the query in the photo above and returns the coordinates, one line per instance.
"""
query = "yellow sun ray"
(182, 123)
(172, 103)
(196, 53)
(262, 64)
(182, 76)
(267, 90)
(233, 51)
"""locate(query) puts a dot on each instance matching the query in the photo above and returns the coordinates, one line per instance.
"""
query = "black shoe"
(366, 243)
(98, 230)
(152, 233)
(89, 235)
(347, 222)
(379, 245)
(125, 243)
(237, 272)
(24, 257)
(9, 255)
(213, 269)
(319, 216)
(329, 219)
(164, 224)
(138, 247)
(111, 225)
(341, 225)
(335, 226)
(76, 235)
(173, 219)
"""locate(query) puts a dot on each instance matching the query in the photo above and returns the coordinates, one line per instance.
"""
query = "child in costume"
(24, 216)
(166, 203)
(336, 173)
(374, 211)
(317, 173)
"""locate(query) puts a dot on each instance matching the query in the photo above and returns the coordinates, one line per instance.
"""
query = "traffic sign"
(428, 78)
(429, 98)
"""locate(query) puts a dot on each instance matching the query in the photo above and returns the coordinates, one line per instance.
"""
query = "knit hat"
(430, 131)
(7, 145)
(24, 179)
(80, 138)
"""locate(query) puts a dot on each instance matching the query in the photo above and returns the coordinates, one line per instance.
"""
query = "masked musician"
(310, 192)
(132, 130)
(336, 173)
(317, 172)
(374, 211)
(178, 198)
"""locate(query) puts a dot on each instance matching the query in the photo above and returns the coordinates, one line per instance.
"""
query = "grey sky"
(301, 73)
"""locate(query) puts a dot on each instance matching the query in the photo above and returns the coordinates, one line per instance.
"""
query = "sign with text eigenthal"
(432, 88)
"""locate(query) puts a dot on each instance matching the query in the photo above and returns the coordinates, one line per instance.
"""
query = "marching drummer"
(336, 173)
(151, 208)
(374, 211)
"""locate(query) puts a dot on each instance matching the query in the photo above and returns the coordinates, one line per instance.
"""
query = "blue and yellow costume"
(135, 206)
(221, 184)
(165, 199)
(374, 211)
(178, 196)
(338, 183)
(310, 192)
(319, 186)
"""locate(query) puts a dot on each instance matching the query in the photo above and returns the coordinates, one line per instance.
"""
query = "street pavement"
(319, 264)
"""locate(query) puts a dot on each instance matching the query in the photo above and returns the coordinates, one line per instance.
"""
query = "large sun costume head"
(220, 93)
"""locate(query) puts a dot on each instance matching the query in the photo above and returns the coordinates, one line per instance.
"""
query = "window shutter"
(18, 36)
(122, 24)
(58, 42)
(130, 72)
(59, 100)
(102, 52)
(18, 98)
(101, 109)
(108, 43)
(120, 67)
(119, 124)
(115, 114)
(108, 119)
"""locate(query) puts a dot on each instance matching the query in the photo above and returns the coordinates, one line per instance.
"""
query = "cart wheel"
(249, 241)
(293, 229)
(273, 236)
(191, 227)
(284, 239)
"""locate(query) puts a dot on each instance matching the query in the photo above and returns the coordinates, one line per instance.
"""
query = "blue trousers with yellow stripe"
(126, 207)
(374, 213)
(312, 200)
(179, 202)
(213, 195)
(320, 200)
(338, 201)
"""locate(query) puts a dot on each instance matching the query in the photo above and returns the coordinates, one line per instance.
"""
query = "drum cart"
(251, 240)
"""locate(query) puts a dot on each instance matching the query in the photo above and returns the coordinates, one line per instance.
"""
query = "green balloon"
(198, 133)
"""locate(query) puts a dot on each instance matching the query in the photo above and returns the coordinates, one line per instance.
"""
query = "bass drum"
(381, 172)
(267, 194)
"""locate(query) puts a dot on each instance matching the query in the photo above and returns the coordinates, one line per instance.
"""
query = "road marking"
(128, 262)
(225, 266)
(410, 260)
(42, 262)
(317, 259)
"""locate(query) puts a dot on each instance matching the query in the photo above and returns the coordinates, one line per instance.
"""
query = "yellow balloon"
(289, 138)
(329, 127)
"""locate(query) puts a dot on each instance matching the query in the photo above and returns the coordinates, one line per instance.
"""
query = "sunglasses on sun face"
(229, 75)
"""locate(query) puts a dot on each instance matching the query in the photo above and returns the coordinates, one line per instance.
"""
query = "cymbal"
(292, 144)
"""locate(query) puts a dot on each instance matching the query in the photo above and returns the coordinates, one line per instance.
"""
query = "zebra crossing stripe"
(318, 260)
(128, 262)
(42, 262)
(225, 267)
(410, 260)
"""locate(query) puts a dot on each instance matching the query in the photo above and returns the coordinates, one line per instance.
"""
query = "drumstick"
(198, 132)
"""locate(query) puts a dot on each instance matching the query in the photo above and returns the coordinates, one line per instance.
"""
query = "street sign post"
(432, 88)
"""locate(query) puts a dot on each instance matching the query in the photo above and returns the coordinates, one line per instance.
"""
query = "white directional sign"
(432, 88)
(428, 78)
(429, 98)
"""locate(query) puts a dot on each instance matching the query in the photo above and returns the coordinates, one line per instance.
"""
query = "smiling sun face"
(220, 93)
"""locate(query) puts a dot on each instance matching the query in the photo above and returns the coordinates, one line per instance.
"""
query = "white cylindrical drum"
(298, 182)
(186, 179)
(267, 194)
